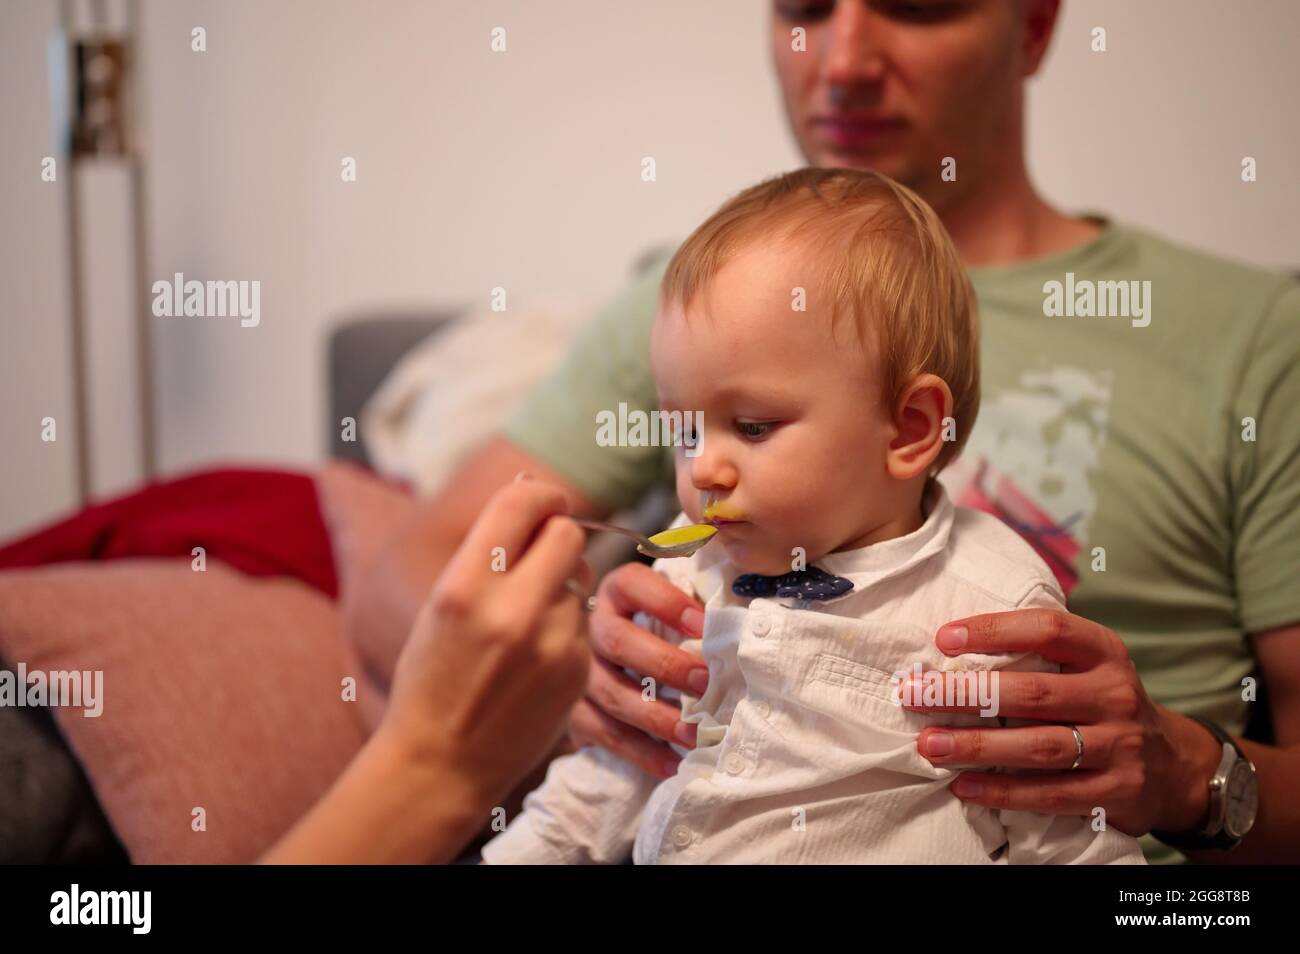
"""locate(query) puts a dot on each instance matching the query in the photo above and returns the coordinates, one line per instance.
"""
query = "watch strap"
(1197, 840)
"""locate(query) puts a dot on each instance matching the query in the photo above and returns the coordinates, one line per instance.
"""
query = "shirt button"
(682, 836)
(734, 763)
(764, 710)
(761, 626)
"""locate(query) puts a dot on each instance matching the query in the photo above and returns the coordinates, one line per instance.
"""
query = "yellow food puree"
(679, 535)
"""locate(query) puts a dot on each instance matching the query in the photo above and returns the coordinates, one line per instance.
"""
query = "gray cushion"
(362, 352)
(48, 812)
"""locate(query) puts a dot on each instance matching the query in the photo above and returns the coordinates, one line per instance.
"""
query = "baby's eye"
(754, 430)
(685, 436)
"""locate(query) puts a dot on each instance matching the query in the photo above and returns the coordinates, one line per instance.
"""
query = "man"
(1139, 426)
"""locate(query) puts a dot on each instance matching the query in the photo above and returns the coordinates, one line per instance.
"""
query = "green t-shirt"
(1152, 458)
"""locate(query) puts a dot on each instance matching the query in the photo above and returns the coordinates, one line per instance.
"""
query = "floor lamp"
(96, 91)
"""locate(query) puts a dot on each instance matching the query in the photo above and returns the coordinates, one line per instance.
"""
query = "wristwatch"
(1234, 800)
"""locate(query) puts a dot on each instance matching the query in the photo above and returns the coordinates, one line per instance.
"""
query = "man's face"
(897, 85)
(796, 433)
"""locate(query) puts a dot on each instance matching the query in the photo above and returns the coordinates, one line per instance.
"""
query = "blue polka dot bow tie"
(809, 584)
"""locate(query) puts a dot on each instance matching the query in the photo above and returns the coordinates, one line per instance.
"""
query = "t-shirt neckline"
(1111, 235)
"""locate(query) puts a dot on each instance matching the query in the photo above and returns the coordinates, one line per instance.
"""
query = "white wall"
(478, 169)
(1154, 129)
(37, 479)
(474, 170)
(522, 169)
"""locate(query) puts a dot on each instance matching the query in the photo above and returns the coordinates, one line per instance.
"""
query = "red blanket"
(263, 522)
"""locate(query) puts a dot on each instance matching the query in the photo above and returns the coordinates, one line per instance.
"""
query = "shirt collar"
(879, 561)
(863, 567)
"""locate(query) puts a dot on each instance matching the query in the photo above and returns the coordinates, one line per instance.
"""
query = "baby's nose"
(712, 472)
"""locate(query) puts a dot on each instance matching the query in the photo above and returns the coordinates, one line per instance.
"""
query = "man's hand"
(1147, 766)
(614, 715)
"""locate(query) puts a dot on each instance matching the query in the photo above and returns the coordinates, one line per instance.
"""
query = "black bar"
(1062, 905)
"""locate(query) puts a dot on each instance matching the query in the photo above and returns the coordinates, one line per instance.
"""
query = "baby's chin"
(765, 561)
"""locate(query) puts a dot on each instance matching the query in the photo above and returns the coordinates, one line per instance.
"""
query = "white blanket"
(452, 391)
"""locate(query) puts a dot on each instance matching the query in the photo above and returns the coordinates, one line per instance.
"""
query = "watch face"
(1242, 799)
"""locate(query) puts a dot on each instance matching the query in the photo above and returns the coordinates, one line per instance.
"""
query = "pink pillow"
(362, 513)
(219, 691)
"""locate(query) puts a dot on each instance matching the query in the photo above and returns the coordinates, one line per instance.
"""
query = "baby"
(823, 325)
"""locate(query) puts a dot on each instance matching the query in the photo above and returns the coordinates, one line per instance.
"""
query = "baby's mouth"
(719, 512)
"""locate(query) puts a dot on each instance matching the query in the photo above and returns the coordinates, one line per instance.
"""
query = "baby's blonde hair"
(883, 256)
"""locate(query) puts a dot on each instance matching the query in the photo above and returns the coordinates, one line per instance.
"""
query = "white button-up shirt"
(804, 754)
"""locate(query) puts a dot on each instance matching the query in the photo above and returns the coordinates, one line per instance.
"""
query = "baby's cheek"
(796, 531)
(687, 496)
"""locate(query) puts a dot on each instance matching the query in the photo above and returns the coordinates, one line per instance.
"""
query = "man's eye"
(754, 430)
(920, 11)
(798, 11)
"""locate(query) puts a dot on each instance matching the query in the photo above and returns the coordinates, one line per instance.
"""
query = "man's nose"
(853, 62)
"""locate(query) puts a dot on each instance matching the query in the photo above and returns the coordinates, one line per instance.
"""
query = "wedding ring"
(1078, 748)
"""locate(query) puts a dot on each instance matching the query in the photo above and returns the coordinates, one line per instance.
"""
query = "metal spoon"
(656, 550)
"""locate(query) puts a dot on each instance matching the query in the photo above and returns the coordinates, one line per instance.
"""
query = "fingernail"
(966, 787)
(693, 621)
(698, 680)
(522, 475)
(938, 744)
(685, 733)
(952, 638)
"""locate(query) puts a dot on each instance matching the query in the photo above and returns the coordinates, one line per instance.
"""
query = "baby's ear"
(919, 416)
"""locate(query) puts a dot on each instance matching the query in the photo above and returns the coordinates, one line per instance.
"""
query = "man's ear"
(919, 416)
(1039, 24)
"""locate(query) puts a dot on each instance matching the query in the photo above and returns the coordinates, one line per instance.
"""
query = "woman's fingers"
(553, 557)
(1041, 696)
(562, 647)
(1049, 747)
(589, 726)
(583, 576)
(497, 539)
(1073, 642)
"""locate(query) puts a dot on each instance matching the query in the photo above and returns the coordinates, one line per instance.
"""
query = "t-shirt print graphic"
(1031, 458)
